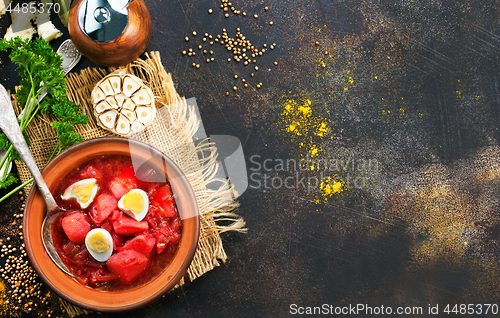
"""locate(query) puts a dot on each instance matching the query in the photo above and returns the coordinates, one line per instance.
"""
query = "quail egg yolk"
(83, 191)
(134, 202)
(98, 243)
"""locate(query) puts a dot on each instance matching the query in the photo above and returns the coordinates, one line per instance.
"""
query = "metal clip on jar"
(110, 32)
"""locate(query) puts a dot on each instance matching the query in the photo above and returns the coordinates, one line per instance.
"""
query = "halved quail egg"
(99, 243)
(123, 104)
(83, 191)
(135, 204)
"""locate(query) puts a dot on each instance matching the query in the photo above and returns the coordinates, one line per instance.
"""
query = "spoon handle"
(11, 129)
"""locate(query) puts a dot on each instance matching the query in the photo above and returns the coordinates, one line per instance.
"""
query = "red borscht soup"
(119, 230)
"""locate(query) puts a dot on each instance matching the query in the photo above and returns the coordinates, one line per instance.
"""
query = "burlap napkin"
(172, 132)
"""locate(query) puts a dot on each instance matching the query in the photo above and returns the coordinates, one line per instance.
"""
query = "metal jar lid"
(103, 20)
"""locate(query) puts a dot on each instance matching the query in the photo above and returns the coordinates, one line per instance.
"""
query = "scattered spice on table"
(21, 290)
(241, 48)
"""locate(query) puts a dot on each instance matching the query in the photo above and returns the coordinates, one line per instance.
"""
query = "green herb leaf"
(9, 180)
(40, 67)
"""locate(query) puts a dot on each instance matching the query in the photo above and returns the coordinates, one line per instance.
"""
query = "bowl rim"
(171, 283)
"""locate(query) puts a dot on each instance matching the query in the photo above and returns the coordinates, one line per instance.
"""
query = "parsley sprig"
(40, 68)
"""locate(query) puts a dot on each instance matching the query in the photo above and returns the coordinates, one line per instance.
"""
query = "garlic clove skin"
(108, 118)
(116, 83)
(130, 115)
(130, 85)
(123, 125)
(112, 102)
(107, 88)
(142, 97)
(144, 114)
(120, 99)
(129, 104)
(102, 106)
(97, 95)
(137, 126)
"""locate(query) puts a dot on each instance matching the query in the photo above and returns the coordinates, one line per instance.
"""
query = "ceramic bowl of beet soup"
(130, 229)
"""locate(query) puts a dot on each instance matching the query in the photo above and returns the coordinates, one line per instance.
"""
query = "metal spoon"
(11, 129)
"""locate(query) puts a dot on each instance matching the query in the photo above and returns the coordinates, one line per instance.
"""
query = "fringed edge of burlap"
(215, 206)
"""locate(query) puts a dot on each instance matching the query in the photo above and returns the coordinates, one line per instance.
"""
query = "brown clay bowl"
(94, 299)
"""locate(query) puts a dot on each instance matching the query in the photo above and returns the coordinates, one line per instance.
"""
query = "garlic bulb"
(123, 104)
